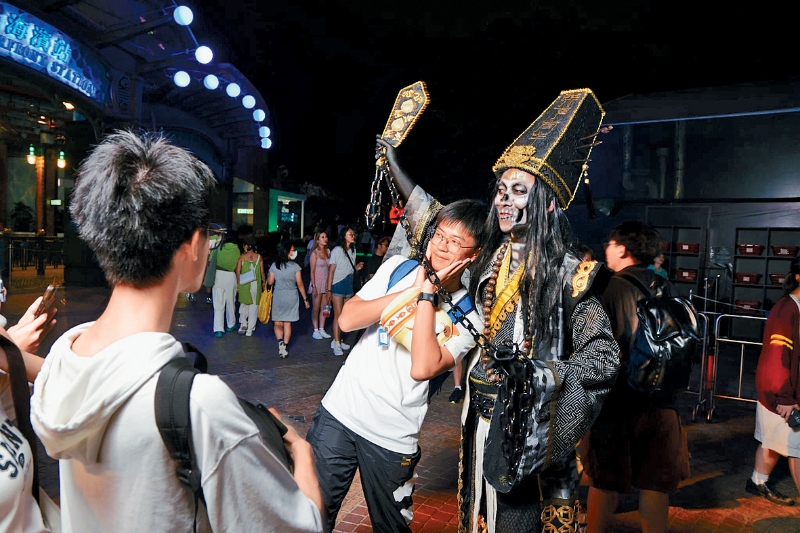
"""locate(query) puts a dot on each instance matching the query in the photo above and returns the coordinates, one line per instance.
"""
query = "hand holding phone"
(794, 419)
(47, 300)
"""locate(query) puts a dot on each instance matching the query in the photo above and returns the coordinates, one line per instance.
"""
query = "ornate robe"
(574, 369)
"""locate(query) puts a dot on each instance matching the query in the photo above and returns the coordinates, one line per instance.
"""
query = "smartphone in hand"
(47, 300)
(794, 419)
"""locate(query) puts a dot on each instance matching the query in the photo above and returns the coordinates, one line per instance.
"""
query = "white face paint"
(511, 200)
(293, 255)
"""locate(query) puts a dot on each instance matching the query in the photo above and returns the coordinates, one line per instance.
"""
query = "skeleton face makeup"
(511, 200)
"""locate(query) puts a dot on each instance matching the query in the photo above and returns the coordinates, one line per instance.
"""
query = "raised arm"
(405, 185)
(428, 359)
(358, 313)
(27, 334)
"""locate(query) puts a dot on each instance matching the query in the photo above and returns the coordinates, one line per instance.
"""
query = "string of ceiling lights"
(184, 16)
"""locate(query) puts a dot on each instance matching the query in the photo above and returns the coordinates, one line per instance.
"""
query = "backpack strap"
(400, 271)
(174, 421)
(636, 282)
(465, 306)
(21, 395)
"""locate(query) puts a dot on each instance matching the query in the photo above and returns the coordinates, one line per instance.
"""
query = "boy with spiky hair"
(142, 205)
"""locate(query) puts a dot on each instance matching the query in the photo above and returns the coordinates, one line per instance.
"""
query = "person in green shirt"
(224, 291)
(250, 292)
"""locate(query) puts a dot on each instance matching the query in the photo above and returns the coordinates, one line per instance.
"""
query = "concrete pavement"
(712, 500)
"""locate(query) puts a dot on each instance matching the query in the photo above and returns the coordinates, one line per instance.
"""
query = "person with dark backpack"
(637, 440)
(142, 205)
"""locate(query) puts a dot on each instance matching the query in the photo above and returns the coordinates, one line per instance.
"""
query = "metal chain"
(507, 351)
(375, 199)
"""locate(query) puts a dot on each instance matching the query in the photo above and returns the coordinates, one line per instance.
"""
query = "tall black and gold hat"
(557, 145)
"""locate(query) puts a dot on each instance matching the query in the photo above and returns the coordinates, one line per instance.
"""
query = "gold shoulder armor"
(580, 279)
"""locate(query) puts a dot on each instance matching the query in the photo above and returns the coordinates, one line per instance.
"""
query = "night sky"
(330, 71)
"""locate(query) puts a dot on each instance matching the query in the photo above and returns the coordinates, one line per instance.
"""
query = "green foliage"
(22, 218)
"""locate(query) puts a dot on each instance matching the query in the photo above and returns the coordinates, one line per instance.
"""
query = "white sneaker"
(324, 333)
(282, 351)
(337, 348)
(317, 335)
(242, 329)
(249, 333)
(345, 346)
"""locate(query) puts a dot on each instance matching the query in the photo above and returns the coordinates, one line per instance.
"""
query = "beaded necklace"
(490, 294)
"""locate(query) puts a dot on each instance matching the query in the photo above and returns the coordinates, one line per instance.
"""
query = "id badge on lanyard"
(383, 336)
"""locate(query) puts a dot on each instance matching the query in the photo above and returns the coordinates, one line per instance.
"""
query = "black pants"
(339, 451)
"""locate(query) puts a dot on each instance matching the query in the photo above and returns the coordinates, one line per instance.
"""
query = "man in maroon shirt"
(778, 386)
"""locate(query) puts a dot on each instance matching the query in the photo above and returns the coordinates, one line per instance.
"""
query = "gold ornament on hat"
(556, 147)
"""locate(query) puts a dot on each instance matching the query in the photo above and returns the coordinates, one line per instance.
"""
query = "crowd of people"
(541, 331)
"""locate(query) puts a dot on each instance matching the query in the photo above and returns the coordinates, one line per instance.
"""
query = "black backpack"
(660, 362)
(175, 425)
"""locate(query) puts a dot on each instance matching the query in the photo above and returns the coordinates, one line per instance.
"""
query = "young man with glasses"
(637, 441)
(371, 416)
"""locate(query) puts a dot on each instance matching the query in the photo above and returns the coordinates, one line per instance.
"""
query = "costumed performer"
(535, 294)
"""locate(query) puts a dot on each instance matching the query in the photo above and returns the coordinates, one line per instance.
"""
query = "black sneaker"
(769, 493)
(457, 396)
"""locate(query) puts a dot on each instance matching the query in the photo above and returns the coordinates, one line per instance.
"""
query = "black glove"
(404, 183)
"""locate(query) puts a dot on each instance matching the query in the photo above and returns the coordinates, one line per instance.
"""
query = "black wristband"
(428, 297)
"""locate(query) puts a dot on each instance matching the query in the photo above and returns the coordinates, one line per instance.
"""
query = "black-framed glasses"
(453, 246)
(215, 236)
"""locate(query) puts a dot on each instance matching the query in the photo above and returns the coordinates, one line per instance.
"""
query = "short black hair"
(467, 214)
(642, 242)
(137, 199)
(790, 282)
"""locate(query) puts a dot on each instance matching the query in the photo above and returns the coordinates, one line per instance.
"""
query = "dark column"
(50, 189)
(40, 164)
(3, 185)
(80, 266)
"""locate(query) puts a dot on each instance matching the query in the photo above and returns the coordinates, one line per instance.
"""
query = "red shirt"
(778, 373)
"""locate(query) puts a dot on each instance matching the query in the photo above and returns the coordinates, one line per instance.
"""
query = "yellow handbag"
(265, 305)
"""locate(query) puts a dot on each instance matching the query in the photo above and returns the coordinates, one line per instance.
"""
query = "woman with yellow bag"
(265, 305)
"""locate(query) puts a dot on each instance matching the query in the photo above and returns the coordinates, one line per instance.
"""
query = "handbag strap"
(347, 255)
(20, 393)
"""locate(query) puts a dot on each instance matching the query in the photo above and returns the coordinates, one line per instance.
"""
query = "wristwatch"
(428, 297)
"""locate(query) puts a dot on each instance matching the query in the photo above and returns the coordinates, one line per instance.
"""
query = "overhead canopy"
(139, 47)
(705, 102)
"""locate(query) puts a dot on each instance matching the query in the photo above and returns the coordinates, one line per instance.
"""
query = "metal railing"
(23, 253)
(708, 387)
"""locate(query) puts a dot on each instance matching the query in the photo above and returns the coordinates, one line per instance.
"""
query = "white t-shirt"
(97, 416)
(19, 512)
(374, 394)
(343, 266)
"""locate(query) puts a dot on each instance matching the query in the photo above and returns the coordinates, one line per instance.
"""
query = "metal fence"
(30, 253)
(713, 358)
